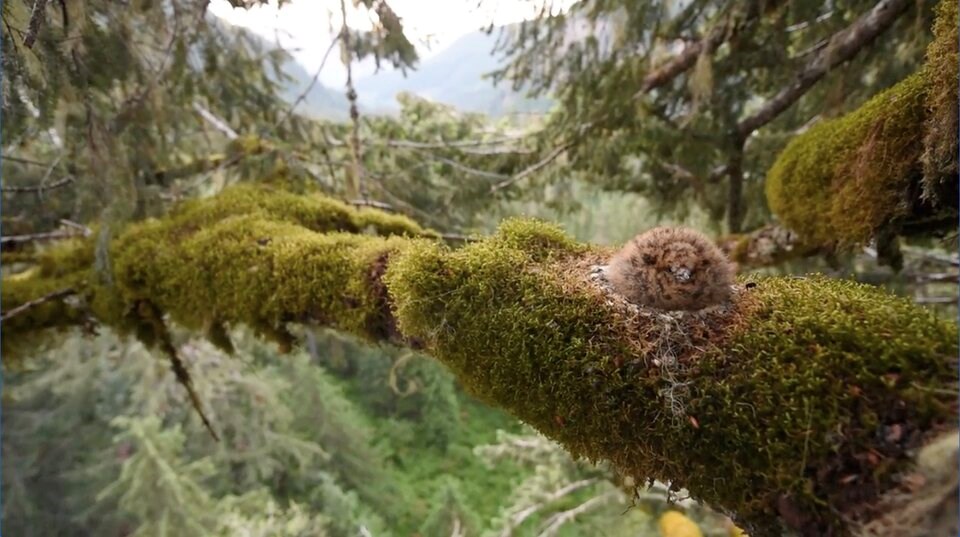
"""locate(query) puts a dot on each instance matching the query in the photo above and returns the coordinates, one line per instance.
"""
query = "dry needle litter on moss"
(892, 161)
(764, 407)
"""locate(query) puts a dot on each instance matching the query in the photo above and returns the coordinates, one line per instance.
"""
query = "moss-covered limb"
(253, 255)
(797, 402)
(893, 160)
(940, 136)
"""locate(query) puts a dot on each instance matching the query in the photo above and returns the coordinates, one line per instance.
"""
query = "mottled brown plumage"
(671, 269)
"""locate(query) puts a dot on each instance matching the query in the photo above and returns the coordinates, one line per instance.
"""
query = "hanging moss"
(890, 163)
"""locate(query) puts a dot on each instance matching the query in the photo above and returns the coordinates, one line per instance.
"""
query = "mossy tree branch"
(887, 168)
(797, 404)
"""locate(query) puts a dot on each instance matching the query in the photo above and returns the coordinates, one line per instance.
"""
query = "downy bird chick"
(671, 269)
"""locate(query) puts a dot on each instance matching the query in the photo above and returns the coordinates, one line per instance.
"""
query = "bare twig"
(21, 189)
(39, 237)
(22, 160)
(532, 168)
(451, 144)
(936, 277)
(555, 522)
(375, 204)
(936, 300)
(808, 23)
(468, 169)
(522, 515)
(316, 76)
(360, 184)
(948, 259)
(80, 227)
(36, 19)
(843, 46)
(217, 123)
(56, 295)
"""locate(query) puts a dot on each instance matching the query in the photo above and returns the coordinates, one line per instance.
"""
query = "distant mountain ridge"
(320, 102)
(454, 76)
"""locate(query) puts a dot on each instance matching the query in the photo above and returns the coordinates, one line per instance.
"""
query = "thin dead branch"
(215, 121)
(687, 58)
(358, 176)
(555, 522)
(383, 206)
(520, 516)
(534, 168)
(40, 237)
(39, 188)
(313, 82)
(56, 295)
(843, 46)
(36, 20)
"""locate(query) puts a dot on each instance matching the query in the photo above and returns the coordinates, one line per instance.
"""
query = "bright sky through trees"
(306, 27)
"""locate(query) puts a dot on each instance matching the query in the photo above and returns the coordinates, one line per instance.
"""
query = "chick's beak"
(682, 274)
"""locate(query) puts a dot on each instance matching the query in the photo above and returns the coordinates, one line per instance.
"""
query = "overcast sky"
(304, 26)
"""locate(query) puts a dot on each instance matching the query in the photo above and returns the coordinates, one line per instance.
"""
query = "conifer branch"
(687, 58)
(843, 46)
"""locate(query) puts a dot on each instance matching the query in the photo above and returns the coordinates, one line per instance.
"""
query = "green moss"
(313, 212)
(254, 254)
(940, 138)
(844, 178)
(538, 238)
(244, 269)
(23, 331)
(769, 403)
(786, 393)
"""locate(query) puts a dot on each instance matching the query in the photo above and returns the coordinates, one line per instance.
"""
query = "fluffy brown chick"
(671, 269)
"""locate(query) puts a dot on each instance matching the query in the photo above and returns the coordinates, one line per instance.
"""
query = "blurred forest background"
(608, 117)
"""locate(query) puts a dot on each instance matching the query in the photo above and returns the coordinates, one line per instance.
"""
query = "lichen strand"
(844, 178)
(940, 139)
(771, 401)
